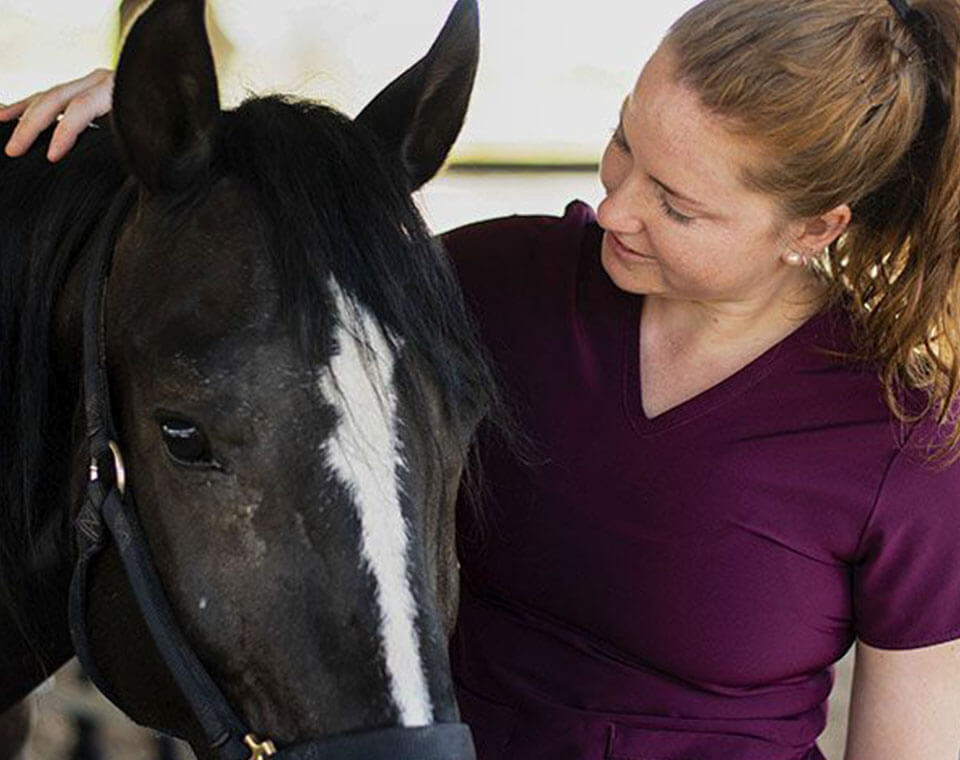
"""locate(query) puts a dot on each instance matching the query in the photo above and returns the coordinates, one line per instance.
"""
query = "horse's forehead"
(207, 284)
(218, 236)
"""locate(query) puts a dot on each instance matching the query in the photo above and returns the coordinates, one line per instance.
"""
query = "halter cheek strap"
(108, 513)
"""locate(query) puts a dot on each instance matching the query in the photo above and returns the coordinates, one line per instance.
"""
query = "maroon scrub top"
(678, 588)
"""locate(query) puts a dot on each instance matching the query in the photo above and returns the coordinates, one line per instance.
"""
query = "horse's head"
(295, 385)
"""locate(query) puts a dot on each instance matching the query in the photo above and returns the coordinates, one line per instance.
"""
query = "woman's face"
(678, 220)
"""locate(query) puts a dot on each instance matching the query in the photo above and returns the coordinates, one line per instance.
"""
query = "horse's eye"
(186, 443)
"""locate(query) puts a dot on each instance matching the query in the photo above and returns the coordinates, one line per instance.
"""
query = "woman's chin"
(631, 277)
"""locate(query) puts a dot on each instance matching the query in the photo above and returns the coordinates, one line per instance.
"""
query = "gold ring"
(118, 468)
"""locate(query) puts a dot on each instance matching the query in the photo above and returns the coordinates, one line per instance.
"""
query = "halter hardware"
(258, 749)
(119, 470)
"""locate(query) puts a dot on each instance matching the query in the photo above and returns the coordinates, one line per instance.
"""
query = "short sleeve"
(906, 577)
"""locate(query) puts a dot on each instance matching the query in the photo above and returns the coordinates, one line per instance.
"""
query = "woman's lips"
(626, 253)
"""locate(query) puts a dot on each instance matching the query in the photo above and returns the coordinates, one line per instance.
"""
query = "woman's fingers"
(80, 112)
(84, 99)
(14, 109)
(16, 145)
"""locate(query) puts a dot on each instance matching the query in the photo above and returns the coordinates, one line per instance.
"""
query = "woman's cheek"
(677, 248)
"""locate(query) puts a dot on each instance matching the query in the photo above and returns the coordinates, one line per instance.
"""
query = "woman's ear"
(817, 233)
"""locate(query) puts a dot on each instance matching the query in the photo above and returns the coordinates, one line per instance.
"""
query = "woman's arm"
(905, 704)
(80, 102)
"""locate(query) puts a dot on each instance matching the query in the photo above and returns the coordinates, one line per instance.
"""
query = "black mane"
(47, 212)
(330, 204)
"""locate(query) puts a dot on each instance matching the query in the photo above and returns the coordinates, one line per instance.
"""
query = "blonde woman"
(739, 378)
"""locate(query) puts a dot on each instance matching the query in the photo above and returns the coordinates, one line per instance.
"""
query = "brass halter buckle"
(259, 750)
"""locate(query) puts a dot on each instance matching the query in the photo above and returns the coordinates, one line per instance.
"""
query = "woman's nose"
(623, 209)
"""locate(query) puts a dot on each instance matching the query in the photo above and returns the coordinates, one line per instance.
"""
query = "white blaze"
(364, 452)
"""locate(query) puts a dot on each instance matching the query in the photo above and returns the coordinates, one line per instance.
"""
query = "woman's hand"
(75, 104)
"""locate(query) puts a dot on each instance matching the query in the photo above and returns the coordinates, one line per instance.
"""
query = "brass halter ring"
(120, 472)
(118, 468)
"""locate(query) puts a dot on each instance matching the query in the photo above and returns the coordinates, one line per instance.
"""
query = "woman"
(718, 508)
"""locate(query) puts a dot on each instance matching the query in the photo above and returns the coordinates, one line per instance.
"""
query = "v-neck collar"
(706, 400)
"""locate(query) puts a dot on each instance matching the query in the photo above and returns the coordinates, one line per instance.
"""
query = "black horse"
(294, 379)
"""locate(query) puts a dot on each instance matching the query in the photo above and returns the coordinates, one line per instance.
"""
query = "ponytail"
(915, 320)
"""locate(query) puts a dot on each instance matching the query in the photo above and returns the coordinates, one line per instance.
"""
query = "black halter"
(109, 505)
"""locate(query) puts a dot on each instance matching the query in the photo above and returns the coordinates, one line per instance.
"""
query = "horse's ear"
(165, 103)
(420, 113)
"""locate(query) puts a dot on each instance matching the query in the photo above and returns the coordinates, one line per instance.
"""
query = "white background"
(552, 72)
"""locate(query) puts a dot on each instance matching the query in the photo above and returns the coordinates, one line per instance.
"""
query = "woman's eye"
(620, 139)
(186, 443)
(673, 213)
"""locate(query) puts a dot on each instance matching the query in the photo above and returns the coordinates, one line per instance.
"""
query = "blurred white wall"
(47, 41)
(552, 72)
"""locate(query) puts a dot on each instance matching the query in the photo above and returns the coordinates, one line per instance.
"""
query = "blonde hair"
(852, 104)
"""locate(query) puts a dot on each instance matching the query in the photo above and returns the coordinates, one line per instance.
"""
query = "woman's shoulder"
(518, 234)
(515, 251)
